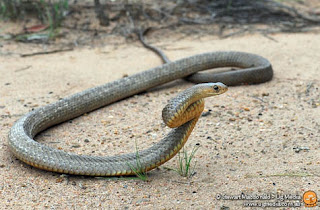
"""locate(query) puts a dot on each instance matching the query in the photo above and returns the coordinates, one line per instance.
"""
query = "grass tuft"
(138, 169)
(185, 167)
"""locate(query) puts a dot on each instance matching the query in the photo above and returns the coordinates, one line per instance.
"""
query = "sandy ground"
(247, 142)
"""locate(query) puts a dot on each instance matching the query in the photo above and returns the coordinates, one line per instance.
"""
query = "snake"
(181, 113)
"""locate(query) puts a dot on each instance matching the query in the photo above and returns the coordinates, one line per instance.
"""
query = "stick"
(46, 52)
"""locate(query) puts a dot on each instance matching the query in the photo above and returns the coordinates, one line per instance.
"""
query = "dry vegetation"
(43, 21)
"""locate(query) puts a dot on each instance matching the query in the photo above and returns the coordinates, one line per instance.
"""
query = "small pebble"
(142, 200)
(82, 186)
(246, 109)
(76, 146)
(59, 180)
(206, 113)
(230, 112)
(299, 149)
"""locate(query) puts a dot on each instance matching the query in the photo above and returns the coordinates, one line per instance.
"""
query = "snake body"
(21, 136)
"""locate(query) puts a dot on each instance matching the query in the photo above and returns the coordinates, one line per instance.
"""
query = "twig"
(22, 69)
(46, 52)
(269, 37)
(241, 31)
(260, 99)
(83, 29)
(159, 52)
(180, 182)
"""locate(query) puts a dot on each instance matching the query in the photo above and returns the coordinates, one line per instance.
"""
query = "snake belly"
(256, 69)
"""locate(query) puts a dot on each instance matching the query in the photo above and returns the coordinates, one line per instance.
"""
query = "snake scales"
(189, 104)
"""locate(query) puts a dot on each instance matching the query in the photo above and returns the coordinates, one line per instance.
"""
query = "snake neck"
(180, 134)
(176, 107)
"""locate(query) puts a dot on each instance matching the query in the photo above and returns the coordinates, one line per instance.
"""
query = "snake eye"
(215, 87)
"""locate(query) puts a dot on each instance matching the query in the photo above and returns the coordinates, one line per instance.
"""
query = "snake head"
(212, 89)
